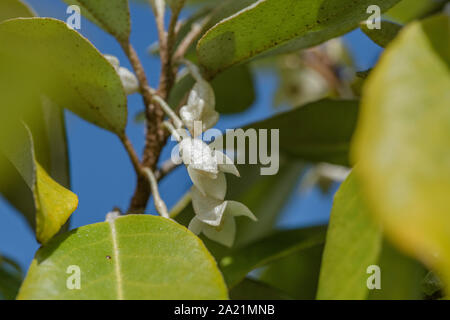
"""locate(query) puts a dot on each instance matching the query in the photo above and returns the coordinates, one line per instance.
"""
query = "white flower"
(200, 107)
(225, 232)
(129, 81)
(198, 155)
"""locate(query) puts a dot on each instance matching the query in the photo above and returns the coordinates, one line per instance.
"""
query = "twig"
(166, 168)
(132, 154)
(190, 38)
(159, 203)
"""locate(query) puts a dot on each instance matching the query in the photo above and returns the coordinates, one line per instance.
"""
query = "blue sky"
(102, 175)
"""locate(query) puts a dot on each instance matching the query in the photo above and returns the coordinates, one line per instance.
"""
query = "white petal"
(225, 164)
(225, 234)
(237, 209)
(198, 155)
(129, 81)
(113, 60)
(195, 226)
(215, 188)
(208, 210)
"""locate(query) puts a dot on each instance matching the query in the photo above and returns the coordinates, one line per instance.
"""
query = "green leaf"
(279, 24)
(10, 278)
(13, 9)
(77, 76)
(296, 274)
(353, 243)
(402, 144)
(131, 257)
(251, 289)
(236, 264)
(111, 15)
(52, 204)
(383, 36)
(234, 90)
(407, 10)
(319, 131)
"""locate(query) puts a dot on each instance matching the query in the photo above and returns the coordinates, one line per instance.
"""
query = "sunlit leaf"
(282, 25)
(44, 56)
(353, 244)
(131, 257)
(402, 143)
(408, 10)
(111, 15)
(51, 204)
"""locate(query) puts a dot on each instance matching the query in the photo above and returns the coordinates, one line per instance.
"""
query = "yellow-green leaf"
(111, 15)
(353, 243)
(130, 257)
(402, 144)
(13, 9)
(52, 204)
(45, 57)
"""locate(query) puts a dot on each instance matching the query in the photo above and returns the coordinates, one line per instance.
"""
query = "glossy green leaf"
(282, 25)
(251, 289)
(319, 131)
(13, 9)
(236, 264)
(296, 274)
(383, 36)
(402, 144)
(131, 257)
(77, 76)
(52, 204)
(353, 244)
(10, 278)
(111, 15)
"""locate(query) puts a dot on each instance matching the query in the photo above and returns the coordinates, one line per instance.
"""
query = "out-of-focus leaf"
(431, 285)
(13, 9)
(251, 289)
(296, 274)
(408, 10)
(319, 131)
(265, 196)
(353, 243)
(383, 36)
(402, 144)
(130, 257)
(279, 24)
(44, 56)
(401, 276)
(234, 90)
(236, 264)
(10, 279)
(52, 203)
(111, 15)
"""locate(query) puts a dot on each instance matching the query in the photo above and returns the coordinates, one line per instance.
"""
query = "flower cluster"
(214, 216)
(129, 81)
